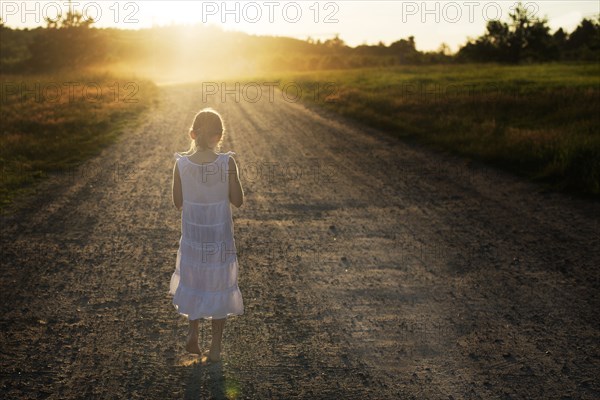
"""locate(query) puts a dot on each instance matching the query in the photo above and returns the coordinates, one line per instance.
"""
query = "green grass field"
(539, 121)
(53, 123)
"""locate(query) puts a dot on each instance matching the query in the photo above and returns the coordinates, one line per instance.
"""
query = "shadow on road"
(209, 381)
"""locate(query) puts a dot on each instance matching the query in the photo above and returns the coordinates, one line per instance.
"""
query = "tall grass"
(53, 123)
(539, 121)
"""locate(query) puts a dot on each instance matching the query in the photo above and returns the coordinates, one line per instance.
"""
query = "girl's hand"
(236, 193)
(177, 192)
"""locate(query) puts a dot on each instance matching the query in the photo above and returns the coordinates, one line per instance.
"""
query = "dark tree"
(406, 51)
(69, 43)
(584, 42)
(523, 38)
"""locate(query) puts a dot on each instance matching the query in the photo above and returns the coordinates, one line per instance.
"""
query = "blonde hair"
(207, 124)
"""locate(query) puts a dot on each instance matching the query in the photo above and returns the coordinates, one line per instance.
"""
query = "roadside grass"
(51, 124)
(538, 121)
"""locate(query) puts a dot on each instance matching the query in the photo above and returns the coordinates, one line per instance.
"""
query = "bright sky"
(357, 22)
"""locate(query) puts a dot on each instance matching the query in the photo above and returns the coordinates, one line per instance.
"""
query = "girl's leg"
(192, 338)
(217, 335)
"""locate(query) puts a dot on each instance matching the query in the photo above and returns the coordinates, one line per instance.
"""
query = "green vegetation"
(537, 120)
(540, 121)
(180, 52)
(53, 123)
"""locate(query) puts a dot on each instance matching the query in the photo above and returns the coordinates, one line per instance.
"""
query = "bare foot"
(209, 357)
(192, 345)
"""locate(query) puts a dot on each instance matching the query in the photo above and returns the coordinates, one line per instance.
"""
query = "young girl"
(205, 282)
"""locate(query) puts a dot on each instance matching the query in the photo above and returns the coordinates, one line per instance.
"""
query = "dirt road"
(370, 270)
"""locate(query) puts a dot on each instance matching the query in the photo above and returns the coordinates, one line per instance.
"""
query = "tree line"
(527, 39)
(73, 43)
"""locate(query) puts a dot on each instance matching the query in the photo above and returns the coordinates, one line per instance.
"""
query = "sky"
(355, 21)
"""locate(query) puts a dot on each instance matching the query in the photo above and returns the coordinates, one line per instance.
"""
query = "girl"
(205, 283)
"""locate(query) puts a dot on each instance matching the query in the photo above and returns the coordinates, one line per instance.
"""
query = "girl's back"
(205, 280)
(204, 182)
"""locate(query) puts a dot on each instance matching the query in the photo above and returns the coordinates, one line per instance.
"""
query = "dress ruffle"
(217, 305)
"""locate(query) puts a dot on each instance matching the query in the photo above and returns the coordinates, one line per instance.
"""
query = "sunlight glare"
(176, 12)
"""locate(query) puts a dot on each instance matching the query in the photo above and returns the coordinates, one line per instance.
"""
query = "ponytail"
(207, 125)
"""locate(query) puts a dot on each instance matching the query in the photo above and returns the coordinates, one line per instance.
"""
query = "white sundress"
(205, 281)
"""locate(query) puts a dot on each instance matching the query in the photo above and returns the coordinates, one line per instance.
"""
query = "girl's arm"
(177, 193)
(236, 193)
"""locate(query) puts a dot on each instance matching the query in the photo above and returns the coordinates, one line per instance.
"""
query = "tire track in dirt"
(369, 269)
